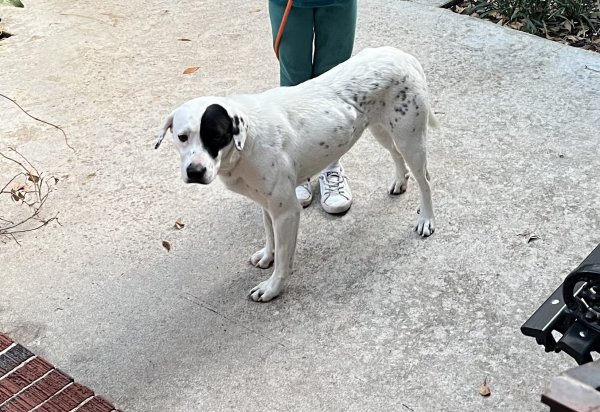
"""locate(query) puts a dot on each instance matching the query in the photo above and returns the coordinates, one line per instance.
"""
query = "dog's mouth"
(196, 181)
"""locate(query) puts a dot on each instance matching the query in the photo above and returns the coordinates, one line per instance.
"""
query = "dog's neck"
(231, 156)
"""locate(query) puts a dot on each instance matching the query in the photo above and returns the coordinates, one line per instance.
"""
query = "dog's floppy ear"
(166, 126)
(239, 128)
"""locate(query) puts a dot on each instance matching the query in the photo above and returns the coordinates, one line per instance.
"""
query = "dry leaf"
(166, 245)
(91, 175)
(33, 177)
(183, 40)
(484, 390)
(529, 236)
(179, 224)
(191, 70)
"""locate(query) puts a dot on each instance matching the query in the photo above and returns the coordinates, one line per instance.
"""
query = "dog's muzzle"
(196, 174)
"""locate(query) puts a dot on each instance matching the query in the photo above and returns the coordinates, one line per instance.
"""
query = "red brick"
(20, 378)
(13, 358)
(5, 341)
(16, 405)
(68, 399)
(45, 388)
(97, 404)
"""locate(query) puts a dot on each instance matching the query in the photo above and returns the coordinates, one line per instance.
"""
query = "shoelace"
(334, 185)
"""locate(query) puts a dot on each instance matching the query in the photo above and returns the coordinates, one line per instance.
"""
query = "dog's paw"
(425, 226)
(398, 187)
(266, 291)
(263, 258)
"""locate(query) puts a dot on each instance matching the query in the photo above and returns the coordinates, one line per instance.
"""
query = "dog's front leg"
(264, 257)
(286, 218)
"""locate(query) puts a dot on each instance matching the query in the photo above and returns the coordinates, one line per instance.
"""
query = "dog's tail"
(432, 120)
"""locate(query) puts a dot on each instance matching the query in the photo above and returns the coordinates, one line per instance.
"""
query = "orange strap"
(286, 13)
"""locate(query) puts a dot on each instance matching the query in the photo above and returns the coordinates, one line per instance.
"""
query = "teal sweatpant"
(332, 28)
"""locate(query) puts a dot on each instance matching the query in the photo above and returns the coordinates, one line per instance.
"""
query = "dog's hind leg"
(412, 146)
(264, 257)
(409, 144)
(400, 182)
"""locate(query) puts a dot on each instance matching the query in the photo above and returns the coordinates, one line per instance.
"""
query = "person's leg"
(296, 47)
(335, 28)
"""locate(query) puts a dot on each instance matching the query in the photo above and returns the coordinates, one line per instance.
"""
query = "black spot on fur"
(321, 143)
(417, 113)
(414, 129)
(392, 125)
(280, 204)
(272, 164)
(341, 144)
(326, 111)
(270, 194)
(326, 146)
(355, 98)
(383, 103)
(396, 82)
(216, 129)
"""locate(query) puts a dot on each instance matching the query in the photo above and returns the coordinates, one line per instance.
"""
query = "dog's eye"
(183, 137)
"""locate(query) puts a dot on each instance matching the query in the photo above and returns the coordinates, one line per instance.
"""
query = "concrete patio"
(374, 318)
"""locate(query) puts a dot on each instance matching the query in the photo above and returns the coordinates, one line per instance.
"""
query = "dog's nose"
(196, 173)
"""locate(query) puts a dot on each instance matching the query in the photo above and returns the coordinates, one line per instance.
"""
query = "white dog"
(262, 146)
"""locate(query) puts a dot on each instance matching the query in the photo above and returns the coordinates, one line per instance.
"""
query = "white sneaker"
(304, 194)
(336, 196)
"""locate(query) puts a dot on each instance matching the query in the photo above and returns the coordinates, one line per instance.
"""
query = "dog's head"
(203, 130)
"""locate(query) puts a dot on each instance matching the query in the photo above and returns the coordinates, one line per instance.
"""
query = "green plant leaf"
(15, 3)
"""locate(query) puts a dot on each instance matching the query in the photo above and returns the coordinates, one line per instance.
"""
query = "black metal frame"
(573, 310)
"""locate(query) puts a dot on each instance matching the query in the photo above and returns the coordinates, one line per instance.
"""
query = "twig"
(594, 70)
(35, 202)
(40, 120)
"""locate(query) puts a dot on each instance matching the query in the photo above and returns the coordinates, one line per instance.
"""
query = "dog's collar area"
(227, 163)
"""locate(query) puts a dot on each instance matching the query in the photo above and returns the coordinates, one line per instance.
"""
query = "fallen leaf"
(179, 224)
(15, 3)
(484, 390)
(529, 236)
(91, 175)
(183, 39)
(166, 245)
(191, 70)
(33, 177)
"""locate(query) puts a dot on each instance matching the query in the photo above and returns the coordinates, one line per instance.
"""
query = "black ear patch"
(216, 129)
